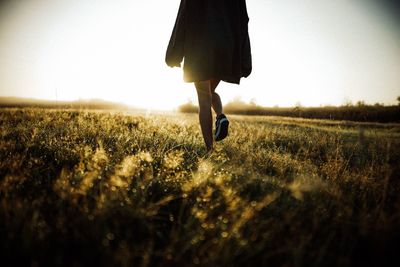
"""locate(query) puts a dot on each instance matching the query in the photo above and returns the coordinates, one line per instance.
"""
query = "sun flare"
(115, 51)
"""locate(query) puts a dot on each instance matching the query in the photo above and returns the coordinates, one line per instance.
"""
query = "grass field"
(108, 189)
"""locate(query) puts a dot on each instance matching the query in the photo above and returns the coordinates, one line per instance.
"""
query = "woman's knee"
(203, 89)
(213, 84)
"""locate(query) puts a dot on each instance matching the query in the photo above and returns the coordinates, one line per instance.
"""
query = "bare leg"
(205, 115)
(216, 100)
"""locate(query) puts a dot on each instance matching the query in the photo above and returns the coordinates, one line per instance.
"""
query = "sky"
(308, 52)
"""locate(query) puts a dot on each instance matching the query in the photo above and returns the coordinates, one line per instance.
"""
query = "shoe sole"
(222, 132)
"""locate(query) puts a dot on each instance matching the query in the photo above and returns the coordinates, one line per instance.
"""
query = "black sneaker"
(221, 127)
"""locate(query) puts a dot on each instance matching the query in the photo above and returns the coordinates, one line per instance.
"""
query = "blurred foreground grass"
(102, 189)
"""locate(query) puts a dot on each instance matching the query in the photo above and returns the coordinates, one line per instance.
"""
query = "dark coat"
(212, 38)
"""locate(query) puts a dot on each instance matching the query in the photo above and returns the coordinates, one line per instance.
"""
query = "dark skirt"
(211, 36)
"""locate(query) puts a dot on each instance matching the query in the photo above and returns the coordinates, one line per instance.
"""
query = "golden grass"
(82, 188)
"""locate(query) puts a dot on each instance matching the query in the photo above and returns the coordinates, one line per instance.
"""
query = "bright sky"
(315, 52)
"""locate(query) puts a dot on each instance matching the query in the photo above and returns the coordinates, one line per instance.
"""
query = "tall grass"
(82, 188)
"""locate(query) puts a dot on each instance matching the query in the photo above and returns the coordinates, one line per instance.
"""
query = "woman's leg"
(222, 123)
(205, 116)
(216, 100)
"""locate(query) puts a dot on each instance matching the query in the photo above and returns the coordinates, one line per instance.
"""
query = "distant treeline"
(15, 102)
(360, 112)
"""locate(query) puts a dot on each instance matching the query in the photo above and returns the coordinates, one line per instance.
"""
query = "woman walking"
(212, 38)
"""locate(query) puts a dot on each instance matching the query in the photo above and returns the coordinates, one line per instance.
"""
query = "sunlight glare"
(302, 53)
